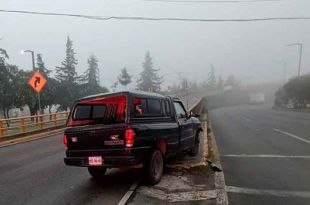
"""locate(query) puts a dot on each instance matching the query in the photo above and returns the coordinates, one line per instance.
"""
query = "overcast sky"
(245, 49)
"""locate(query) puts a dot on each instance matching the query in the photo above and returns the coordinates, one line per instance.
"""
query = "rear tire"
(195, 149)
(154, 168)
(97, 172)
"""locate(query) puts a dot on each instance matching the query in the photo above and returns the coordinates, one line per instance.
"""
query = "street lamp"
(300, 54)
(33, 68)
(32, 56)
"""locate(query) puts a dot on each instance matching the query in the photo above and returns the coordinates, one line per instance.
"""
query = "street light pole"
(33, 69)
(32, 57)
(300, 55)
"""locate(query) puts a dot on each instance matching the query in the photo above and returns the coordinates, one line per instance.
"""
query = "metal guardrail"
(197, 107)
(25, 124)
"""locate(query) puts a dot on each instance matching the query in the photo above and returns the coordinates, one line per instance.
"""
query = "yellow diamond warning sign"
(37, 81)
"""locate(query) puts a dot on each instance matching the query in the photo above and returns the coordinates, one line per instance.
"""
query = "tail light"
(129, 137)
(65, 142)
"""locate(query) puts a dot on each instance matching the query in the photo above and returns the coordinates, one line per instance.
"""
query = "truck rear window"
(82, 112)
(86, 112)
(105, 110)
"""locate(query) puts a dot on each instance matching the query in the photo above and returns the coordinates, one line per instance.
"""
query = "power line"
(106, 18)
(214, 1)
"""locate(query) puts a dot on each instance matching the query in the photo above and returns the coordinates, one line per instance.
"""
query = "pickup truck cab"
(126, 129)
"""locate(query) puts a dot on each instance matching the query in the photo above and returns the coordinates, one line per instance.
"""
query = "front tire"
(154, 168)
(195, 149)
(97, 172)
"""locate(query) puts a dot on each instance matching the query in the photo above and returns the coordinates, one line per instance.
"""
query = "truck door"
(185, 126)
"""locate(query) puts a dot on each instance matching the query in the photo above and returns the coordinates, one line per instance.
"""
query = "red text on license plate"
(95, 161)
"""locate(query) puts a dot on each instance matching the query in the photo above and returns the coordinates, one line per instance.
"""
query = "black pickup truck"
(126, 129)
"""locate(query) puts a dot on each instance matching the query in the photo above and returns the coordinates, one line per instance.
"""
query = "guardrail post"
(22, 125)
(41, 122)
(55, 119)
(1, 129)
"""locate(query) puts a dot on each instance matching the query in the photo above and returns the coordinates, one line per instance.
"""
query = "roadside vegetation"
(64, 85)
(295, 94)
(62, 88)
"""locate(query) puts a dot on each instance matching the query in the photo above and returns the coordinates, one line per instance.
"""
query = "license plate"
(95, 161)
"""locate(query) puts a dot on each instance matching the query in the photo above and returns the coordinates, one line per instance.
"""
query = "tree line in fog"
(66, 85)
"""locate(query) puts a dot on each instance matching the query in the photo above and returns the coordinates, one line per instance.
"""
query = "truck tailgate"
(96, 137)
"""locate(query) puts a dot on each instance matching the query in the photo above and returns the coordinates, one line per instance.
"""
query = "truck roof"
(136, 93)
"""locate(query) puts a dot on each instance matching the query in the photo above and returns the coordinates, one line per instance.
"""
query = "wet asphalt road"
(34, 173)
(265, 154)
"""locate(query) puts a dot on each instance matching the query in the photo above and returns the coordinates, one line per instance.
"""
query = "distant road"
(265, 154)
(34, 173)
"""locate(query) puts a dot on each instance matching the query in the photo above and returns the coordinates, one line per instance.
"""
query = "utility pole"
(300, 45)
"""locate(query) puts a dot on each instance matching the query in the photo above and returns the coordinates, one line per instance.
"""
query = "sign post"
(37, 82)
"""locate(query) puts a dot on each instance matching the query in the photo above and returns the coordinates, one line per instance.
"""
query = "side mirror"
(191, 114)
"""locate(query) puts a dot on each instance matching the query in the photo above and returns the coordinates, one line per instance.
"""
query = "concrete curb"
(30, 138)
(220, 186)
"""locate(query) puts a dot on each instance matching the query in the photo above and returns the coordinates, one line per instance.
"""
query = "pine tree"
(231, 81)
(92, 73)
(124, 78)
(41, 65)
(66, 72)
(3, 55)
(90, 81)
(68, 89)
(211, 77)
(184, 84)
(220, 83)
(149, 79)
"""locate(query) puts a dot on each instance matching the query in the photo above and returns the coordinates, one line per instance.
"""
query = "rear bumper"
(115, 158)
(107, 161)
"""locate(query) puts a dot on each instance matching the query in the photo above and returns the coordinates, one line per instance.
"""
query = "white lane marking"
(271, 192)
(266, 156)
(291, 135)
(248, 119)
(128, 194)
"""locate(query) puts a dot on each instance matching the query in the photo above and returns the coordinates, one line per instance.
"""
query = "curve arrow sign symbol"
(37, 81)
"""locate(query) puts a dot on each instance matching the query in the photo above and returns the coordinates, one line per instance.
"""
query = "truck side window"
(180, 111)
(139, 106)
(154, 106)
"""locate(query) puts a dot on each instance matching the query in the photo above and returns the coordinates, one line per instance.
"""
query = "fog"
(252, 51)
